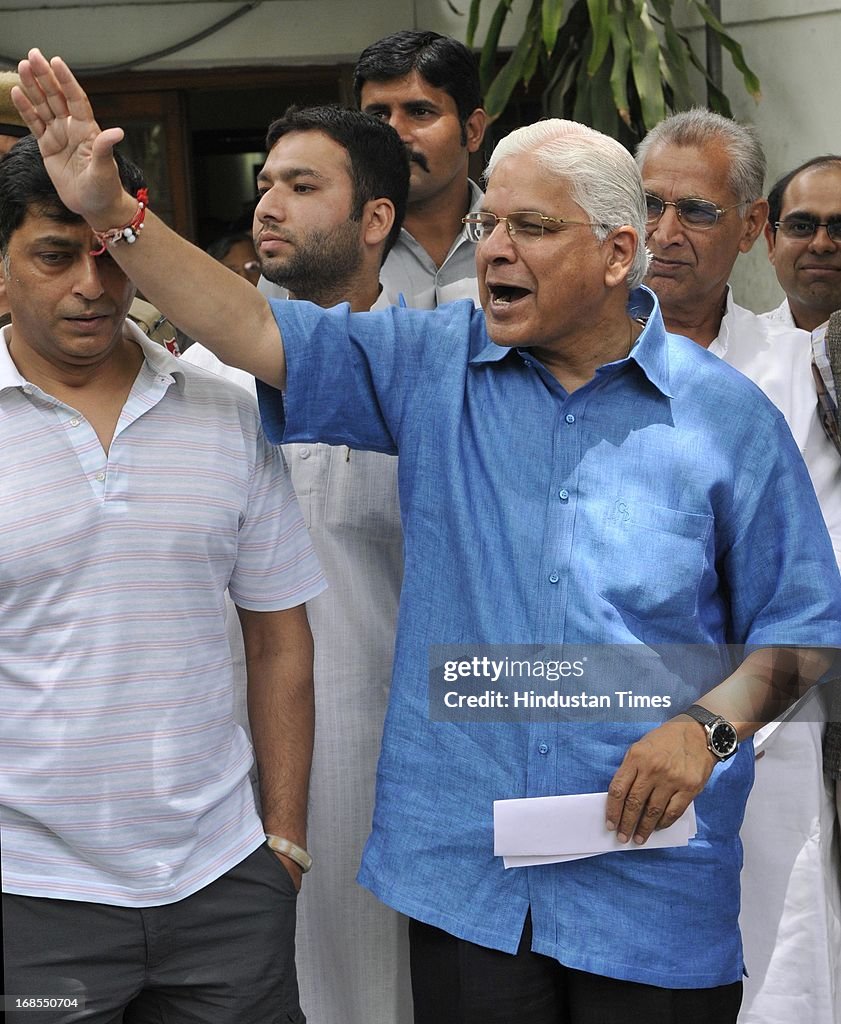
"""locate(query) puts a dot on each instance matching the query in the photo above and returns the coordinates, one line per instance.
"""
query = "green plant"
(618, 65)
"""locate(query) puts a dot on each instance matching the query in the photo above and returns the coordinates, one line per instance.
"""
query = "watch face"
(723, 739)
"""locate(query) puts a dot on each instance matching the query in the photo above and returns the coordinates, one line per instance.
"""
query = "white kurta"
(780, 315)
(352, 950)
(791, 879)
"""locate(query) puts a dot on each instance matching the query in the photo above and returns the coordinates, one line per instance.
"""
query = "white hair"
(600, 173)
(700, 128)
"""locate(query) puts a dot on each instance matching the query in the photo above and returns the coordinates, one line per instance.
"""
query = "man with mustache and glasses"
(332, 193)
(563, 480)
(703, 176)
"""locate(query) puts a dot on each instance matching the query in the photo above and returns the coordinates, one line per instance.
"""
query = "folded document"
(552, 829)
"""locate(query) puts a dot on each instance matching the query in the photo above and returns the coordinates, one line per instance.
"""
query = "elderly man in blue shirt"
(569, 474)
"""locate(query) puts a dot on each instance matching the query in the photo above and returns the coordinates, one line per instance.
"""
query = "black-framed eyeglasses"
(525, 224)
(698, 214)
(804, 229)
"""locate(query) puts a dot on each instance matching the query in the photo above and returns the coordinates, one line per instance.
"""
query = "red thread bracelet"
(127, 233)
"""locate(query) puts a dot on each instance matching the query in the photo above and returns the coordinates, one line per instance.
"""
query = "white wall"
(791, 44)
(276, 32)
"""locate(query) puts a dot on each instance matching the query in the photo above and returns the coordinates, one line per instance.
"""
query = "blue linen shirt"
(663, 502)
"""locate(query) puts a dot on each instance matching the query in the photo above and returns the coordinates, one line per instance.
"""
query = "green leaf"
(603, 112)
(487, 60)
(717, 100)
(552, 16)
(675, 57)
(533, 58)
(736, 53)
(645, 62)
(601, 34)
(581, 112)
(621, 60)
(503, 85)
(562, 78)
(472, 22)
(593, 51)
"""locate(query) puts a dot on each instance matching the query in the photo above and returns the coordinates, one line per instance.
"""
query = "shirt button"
(543, 748)
(74, 422)
(304, 453)
(563, 494)
(27, 389)
(553, 577)
(100, 477)
(569, 418)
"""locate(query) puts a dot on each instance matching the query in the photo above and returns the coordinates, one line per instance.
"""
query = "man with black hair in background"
(426, 86)
(332, 194)
(803, 234)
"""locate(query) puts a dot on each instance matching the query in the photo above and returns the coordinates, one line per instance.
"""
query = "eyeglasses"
(805, 228)
(699, 214)
(525, 224)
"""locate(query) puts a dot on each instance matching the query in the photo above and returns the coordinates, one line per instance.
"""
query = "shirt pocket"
(653, 560)
(360, 498)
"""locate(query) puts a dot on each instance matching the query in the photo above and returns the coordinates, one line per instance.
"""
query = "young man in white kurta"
(352, 950)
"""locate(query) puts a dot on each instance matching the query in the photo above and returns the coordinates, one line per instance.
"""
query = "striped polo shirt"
(123, 776)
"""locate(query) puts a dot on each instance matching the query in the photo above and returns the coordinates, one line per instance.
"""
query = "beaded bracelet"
(127, 233)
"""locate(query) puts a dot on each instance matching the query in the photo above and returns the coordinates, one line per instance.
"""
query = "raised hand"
(77, 153)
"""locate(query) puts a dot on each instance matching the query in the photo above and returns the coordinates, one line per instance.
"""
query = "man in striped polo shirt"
(135, 491)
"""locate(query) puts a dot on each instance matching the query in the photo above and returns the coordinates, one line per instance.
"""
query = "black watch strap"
(702, 715)
(722, 738)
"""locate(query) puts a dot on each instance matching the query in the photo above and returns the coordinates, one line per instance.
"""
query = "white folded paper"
(552, 829)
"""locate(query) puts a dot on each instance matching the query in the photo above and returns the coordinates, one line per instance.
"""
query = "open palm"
(77, 153)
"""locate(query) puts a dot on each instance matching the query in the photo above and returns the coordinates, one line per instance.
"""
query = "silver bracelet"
(290, 850)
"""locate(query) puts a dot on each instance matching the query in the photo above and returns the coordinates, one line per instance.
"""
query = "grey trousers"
(225, 955)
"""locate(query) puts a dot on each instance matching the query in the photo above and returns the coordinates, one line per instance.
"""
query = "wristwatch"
(722, 738)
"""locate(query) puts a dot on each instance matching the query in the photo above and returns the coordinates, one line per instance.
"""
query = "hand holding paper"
(659, 776)
(552, 829)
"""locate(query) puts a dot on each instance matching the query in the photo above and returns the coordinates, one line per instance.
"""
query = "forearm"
(766, 685)
(281, 713)
(670, 765)
(195, 292)
(198, 293)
